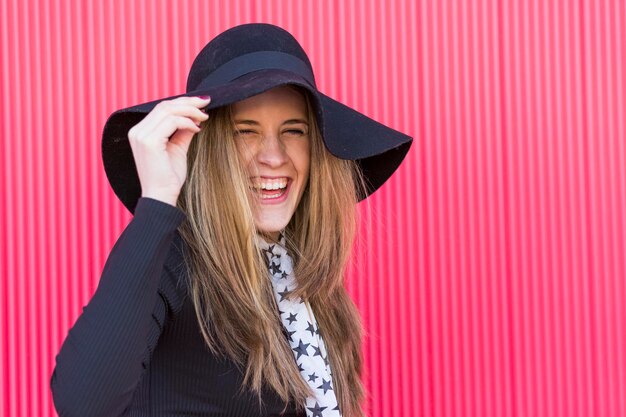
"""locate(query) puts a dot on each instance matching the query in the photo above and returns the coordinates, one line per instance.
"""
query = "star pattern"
(283, 293)
(301, 349)
(292, 318)
(318, 351)
(274, 269)
(310, 328)
(325, 385)
(302, 332)
(317, 410)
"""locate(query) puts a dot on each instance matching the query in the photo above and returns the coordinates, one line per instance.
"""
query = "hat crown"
(241, 40)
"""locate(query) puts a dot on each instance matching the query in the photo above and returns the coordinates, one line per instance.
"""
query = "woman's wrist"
(161, 196)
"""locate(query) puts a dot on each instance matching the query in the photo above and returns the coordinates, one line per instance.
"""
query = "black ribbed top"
(136, 349)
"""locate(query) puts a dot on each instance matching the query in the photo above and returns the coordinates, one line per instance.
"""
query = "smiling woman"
(272, 134)
(225, 294)
(267, 156)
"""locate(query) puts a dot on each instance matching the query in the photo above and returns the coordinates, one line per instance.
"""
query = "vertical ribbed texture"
(492, 282)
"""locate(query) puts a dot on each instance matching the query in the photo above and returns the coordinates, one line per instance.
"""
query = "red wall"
(493, 280)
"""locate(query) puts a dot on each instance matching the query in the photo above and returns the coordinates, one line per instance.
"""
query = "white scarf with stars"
(303, 332)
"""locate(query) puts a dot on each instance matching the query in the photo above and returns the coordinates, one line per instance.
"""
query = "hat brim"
(347, 133)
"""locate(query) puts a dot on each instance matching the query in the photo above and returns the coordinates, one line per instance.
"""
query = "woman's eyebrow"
(295, 121)
(286, 122)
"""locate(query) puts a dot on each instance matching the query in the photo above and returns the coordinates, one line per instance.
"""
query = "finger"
(164, 109)
(198, 101)
(181, 106)
(174, 123)
(166, 128)
(182, 139)
(157, 136)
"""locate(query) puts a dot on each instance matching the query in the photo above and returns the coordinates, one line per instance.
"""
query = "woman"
(225, 295)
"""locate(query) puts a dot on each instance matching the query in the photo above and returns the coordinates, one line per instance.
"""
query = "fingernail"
(205, 97)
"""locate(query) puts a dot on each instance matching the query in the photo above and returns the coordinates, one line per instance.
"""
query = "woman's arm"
(106, 351)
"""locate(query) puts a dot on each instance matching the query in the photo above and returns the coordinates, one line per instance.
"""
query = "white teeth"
(271, 184)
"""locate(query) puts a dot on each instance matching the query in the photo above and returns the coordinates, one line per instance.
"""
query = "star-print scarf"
(302, 331)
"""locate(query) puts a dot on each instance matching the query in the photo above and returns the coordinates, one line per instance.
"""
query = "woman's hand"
(160, 143)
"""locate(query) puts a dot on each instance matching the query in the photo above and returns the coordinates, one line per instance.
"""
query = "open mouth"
(270, 189)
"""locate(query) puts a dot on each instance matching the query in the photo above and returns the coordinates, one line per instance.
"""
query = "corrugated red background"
(493, 280)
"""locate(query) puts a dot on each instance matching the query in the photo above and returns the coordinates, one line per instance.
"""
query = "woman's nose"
(272, 152)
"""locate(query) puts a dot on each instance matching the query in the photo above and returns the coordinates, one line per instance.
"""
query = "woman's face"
(272, 136)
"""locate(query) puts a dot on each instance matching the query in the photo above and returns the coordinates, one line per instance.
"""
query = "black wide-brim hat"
(244, 61)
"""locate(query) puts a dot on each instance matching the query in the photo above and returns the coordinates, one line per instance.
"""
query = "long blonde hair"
(229, 282)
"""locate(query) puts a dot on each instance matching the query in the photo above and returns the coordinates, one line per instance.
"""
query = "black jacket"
(136, 349)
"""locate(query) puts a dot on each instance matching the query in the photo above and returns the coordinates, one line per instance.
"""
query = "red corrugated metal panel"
(493, 280)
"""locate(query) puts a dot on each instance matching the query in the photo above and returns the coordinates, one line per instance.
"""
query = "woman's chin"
(271, 226)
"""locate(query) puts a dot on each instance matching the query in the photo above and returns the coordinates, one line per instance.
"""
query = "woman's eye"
(244, 132)
(296, 132)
